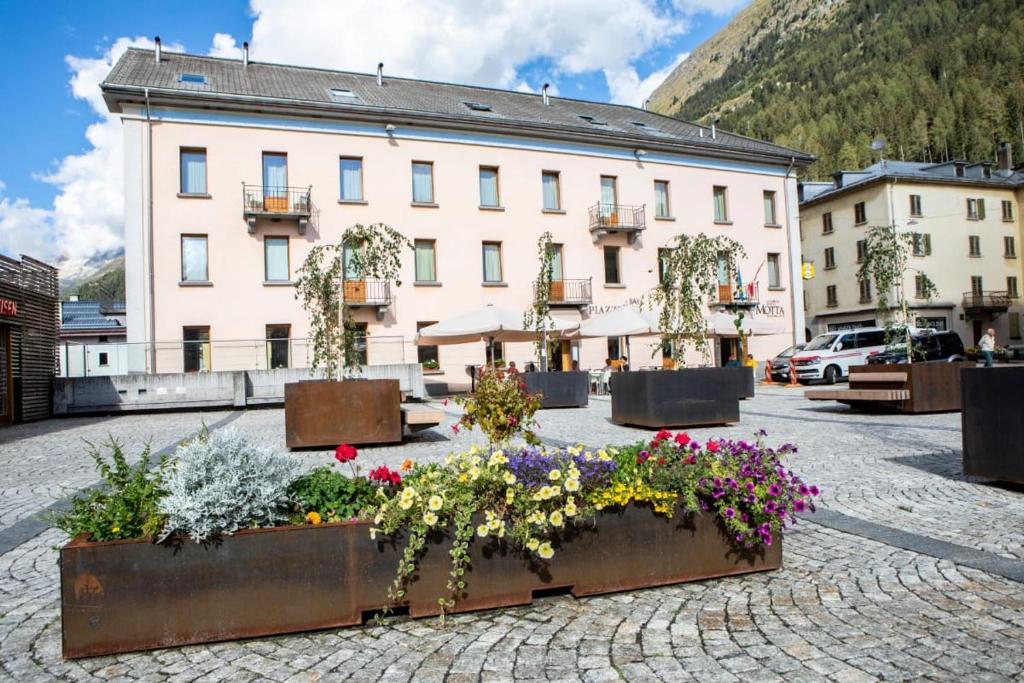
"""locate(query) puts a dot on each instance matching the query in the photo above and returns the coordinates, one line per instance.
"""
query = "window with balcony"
(830, 258)
(551, 190)
(915, 205)
(609, 192)
(492, 262)
(276, 259)
(1009, 246)
(1011, 287)
(489, 198)
(278, 346)
(830, 296)
(351, 173)
(721, 204)
(774, 271)
(922, 245)
(865, 290)
(611, 266)
(194, 259)
(770, 218)
(1007, 210)
(193, 171)
(860, 213)
(826, 223)
(426, 261)
(661, 205)
(555, 251)
(275, 181)
(422, 182)
(974, 245)
(195, 346)
(862, 251)
(977, 285)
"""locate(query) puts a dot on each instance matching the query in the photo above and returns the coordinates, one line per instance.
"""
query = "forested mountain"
(104, 285)
(939, 79)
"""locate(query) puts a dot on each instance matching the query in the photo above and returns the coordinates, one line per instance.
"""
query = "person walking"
(987, 344)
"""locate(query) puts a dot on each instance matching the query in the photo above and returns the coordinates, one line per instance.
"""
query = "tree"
(373, 251)
(689, 278)
(538, 317)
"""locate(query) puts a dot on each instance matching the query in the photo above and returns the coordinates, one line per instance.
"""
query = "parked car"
(928, 345)
(828, 356)
(780, 364)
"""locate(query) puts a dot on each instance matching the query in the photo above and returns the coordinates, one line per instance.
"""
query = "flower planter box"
(677, 398)
(124, 596)
(327, 413)
(559, 389)
(993, 430)
(743, 380)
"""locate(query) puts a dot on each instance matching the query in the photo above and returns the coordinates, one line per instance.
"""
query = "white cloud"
(224, 45)
(626, 86)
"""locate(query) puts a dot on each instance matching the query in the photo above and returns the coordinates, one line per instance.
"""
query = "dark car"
(927, 346)
(780, 364)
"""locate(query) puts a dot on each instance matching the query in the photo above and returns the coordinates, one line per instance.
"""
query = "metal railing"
(267, 199)
(613, 217)
(988, 300)
(748, 294)
(577, 292)
(367, 292)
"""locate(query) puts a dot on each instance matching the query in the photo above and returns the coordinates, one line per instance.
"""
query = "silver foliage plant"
(221, 483)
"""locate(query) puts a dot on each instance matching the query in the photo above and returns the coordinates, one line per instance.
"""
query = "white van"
(829, 356)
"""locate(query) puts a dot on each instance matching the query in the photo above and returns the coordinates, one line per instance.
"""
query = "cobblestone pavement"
(843, 608)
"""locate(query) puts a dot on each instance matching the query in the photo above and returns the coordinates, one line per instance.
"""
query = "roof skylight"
(592, 120)
(478, 106)
(342, 95)
(192, 78)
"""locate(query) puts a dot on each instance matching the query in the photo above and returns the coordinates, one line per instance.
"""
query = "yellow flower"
(313, 517)
(429, 518)
(572, 485)
(373, 534)
(570, 510)
(545, 551)
(497, 458)
(463, 478)
(509, 478)
(603, 455)
(481, 531)
(510, 495)
(556, 518)
(494, 524)
(115, 530)
(474, 472)
(435, 503)
(405, 503)
(532, 544)
(554, 475)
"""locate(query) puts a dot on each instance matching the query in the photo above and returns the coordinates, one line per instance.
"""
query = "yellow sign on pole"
(807, 271)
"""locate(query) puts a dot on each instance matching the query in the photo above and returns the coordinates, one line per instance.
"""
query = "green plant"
(689, 278)
(430, 364)
(333, 496)
(363, 252)
(125, 506)
(538, 316)
(500, 407)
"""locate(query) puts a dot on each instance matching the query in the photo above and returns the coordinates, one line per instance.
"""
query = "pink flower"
(713, 446)
(345, 453)
(455, 428)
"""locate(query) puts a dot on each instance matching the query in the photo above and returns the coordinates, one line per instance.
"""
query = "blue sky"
(607, 50)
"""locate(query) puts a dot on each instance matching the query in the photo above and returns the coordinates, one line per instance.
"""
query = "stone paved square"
(910, 571)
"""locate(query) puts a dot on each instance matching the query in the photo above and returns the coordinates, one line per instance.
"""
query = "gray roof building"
(216, 83)
(89, 318)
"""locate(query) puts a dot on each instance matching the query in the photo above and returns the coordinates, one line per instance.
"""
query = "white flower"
(435, 503)
(545, 551)
(429, 518)
(556, 518)
(572, 485)
(509, 478)
(481, 531)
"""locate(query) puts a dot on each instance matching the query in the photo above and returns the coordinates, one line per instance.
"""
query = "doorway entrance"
(976, 324)
(727, 347)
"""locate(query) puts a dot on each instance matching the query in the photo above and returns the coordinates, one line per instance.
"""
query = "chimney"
(245, 54)
(1005, 157)
(714, 129)
(380, 73)
(158, 50)
(646, 104)
(544, 93)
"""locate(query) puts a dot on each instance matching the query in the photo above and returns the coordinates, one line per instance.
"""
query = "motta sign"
(8, 308)
(771, 309)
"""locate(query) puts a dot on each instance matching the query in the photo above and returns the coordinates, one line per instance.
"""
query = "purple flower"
(750, 486)
(799, 505)
(729, 513)
(814, 490)
(774, 490)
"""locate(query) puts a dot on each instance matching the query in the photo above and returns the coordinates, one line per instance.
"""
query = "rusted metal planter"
(124, 596)
(675, 398)
(993, 427)
(742, 378)
(327, 413)
(559, 389)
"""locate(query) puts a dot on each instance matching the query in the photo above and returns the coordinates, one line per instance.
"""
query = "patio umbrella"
(724, 325)
(625, 322)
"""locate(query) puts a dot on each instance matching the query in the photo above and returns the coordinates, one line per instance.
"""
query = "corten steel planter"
(675, 398)
(993, 427)
(328, 413)
(743, 379)
(923, 387)
(559, 389)
(124, 596)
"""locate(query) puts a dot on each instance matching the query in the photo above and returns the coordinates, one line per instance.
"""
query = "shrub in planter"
(326, 495)
(500, 407)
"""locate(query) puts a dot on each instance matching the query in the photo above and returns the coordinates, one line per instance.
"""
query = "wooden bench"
(858, 377)
(417, 417)
(849, 395)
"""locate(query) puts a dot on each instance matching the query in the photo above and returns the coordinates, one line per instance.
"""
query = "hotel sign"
(8, 308)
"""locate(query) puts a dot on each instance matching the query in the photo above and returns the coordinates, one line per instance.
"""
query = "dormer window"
(192, 78)
(342, 95)
(959, 170)
(478, 106)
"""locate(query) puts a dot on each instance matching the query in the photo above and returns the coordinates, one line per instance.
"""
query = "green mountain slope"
(106, 285)
(939, 79)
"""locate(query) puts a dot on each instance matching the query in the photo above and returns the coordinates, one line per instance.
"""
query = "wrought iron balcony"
(276, 203)
(739, 296)
(612, 218)
(988, 302)
(367, 294)
(571, 293)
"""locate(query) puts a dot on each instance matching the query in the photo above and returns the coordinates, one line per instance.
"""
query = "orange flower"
(313, 517)
(407, 464)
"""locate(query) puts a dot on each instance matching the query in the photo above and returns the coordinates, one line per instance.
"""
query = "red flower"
(444, 402)
(682, 438)
(455, 428)
(691, 460)
(382, 475)
(661, 461)
(713, 446)
(345, 453)
(642, 457)
(662, 435)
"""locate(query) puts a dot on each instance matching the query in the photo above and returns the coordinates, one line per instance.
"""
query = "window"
(921, 286)
(351, 261)
(661, 206)
(351, 174)
(275, 259)
(611, 266)
(362, 355)
(192, 78)
(865, 290)
(615, 348)
(975, 209)
(492, 261)
(194, 259)
(494, 352)
(1014, 319)
(552, 192)
(826, 223)
(426, 261)
(193, 171)
(862, 251)
(866, 340)
(915, 205)
(195, 346)
(104, 359)
(721, 205)
(1009, 247)
(428, 356)
(275, 176)
(489, 186)
(860, 214)
(478, 106)
(774, 271)
(342, 95)
(609, 192)
(830, 258)
(556, 263)
(977, 285)
(724, 271)
(830, 296)
(769, 209)
(278, 346)
(663, 259)
(422, 182)
(1007, 210)
(974, 245)
(1011, 287)
(592, 120)
(922, 244)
